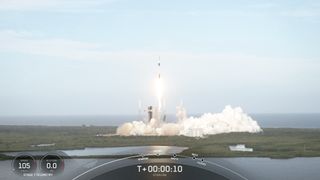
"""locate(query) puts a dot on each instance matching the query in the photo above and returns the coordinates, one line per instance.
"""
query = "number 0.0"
(51, 165)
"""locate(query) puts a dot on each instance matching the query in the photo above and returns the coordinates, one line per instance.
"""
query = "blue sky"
(68, 57)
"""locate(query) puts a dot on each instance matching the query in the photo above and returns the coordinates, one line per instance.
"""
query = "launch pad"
(154, 122)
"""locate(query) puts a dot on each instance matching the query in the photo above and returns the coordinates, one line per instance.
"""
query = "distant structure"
(195, 132)
(43, 145)
(240, 147)
(150, 113)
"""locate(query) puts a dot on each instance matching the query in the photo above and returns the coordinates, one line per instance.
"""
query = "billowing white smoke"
(229, 120)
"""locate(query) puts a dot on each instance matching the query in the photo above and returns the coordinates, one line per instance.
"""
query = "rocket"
(159, 76)
(159, 90)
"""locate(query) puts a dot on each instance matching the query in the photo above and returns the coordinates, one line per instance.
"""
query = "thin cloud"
(51, 5)
(27, 43)
(302, 13)
(24, 42)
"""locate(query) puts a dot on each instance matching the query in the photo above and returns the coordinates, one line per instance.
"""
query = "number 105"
(24, 166)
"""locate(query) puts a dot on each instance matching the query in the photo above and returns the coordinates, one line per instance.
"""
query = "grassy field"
(275, 143)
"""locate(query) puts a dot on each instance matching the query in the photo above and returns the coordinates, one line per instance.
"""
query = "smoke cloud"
(229, 120)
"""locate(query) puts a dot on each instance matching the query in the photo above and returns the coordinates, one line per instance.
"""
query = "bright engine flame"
(159, 88)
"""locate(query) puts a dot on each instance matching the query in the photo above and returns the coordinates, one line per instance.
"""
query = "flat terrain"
(275, 143)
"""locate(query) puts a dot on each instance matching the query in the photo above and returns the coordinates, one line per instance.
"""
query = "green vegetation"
(4, 157)
(275, 143)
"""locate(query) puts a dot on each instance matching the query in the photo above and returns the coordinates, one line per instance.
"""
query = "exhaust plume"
(229, 120)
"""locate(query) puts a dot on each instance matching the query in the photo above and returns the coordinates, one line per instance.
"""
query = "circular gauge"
(52, 163)
(24, 164)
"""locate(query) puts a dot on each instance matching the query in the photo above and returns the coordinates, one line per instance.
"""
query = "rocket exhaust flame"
(159, 92)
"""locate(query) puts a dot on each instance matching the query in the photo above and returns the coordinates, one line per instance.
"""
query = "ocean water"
(264, 120)
(287, 120)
